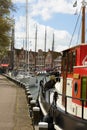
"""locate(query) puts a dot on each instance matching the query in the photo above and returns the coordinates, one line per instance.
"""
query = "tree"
(6, 23)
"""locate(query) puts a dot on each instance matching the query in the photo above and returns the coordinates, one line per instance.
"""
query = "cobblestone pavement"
(13, 107)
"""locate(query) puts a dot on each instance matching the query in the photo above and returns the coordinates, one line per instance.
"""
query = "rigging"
(75, 28)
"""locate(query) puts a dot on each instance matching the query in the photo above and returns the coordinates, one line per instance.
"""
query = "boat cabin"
(74, 66)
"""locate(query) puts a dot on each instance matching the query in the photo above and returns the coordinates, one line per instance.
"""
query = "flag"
(75, 4)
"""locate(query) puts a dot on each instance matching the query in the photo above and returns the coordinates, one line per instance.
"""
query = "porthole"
(75, 88)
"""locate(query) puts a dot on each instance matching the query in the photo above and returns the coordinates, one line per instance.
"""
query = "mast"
(45, 39)
(83, 22)
(35, 45)
(45, 46)
(52, 50)
(26, 31)
(27, 37)
(53, 43)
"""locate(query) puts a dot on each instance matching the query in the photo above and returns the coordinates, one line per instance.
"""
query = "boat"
(64, 106)
(24, 72)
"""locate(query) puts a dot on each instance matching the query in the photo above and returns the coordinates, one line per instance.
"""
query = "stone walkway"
(13, 107)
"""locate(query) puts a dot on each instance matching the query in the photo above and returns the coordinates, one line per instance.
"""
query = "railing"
(82, 102)
(79, 99)
(66, 104)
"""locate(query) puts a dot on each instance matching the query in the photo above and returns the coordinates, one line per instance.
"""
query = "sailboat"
(24, 74)
(65, 105)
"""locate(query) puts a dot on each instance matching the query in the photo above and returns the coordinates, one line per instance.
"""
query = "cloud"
(18, 1)
(61, 36)
(45, 9)
(22, 1)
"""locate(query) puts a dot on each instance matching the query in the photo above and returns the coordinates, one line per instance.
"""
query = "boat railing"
(62, 118)
(65, 105)
(79, 99)
(71, 105)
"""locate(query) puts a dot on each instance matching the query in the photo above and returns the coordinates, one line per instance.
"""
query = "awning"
(4, 65)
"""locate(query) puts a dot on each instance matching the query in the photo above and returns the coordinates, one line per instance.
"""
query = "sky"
(55, 17)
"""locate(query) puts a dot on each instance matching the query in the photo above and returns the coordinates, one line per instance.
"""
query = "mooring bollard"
(26, 90)
(36, 115)
(26, 87)
(28, 93)
(22, 85)
(32, 104)
(43, 126)
(29, 98)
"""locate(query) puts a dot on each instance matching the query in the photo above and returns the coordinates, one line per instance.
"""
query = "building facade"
(35, 61)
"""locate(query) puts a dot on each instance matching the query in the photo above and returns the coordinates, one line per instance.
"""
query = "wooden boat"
(65, 105)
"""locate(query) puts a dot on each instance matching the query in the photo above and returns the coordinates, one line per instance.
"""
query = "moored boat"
(65, 105)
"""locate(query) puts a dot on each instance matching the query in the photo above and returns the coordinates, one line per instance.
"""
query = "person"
(50, 84)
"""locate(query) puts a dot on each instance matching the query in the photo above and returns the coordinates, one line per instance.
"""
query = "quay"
(13, 107)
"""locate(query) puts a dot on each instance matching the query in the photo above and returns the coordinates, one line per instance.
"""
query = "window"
(64, 63)
(70, 57)
(75, 88)
(84, 88)
(74, 59)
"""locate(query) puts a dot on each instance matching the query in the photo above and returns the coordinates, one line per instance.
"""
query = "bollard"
(32, 103)
(26, 89)
(29, 98)
(27, 85)
(36, 115)
(28, 93)
(43, 126)
(23, 85)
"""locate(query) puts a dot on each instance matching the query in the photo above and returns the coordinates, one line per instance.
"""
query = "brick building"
(34, 60)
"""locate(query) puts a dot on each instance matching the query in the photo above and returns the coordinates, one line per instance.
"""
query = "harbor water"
(33, 84)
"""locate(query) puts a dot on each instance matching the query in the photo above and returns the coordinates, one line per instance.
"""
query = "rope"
(75, 28)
